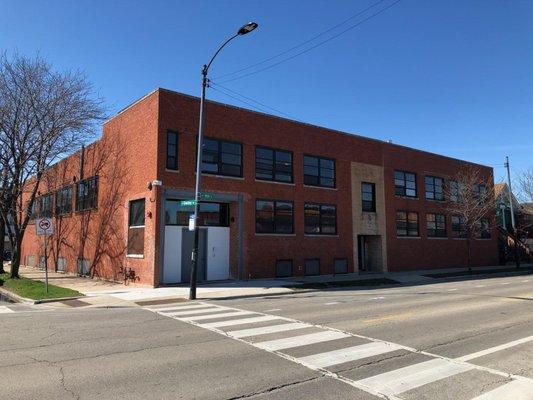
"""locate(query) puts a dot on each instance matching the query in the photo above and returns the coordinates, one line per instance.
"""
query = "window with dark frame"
(483, 229)
(405, 184)
(273, 165)
(274, 216)
(368, 196)
(221, 157)
(434, 188)
(172, 150)
(87, 194)
(320, 219)
(407, 223)
(209, 213)
(43, 206)
(64, 201)
(136, 221)
(436, 225)
(458, 227)
(319, 171)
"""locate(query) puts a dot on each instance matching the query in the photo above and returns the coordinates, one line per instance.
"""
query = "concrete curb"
(19, 299)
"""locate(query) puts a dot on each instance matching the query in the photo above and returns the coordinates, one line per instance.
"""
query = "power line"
(301, 44)
(314, 46)
(222, 90)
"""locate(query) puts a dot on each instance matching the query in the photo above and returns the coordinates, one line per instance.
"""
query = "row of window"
(277, 216)
(405, 186)
(86, 199)
(222, 157)
(407, 225)
(284, 268)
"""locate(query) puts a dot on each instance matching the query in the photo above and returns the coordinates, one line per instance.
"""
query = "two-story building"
(280, 198)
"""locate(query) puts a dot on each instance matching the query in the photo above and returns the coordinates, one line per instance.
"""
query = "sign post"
(45, 228)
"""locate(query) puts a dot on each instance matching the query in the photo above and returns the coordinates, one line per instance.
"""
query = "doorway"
(369, 253)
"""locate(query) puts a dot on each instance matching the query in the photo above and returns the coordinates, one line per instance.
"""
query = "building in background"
(280, 198)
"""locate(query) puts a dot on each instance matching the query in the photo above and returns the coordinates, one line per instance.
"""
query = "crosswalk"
(332, 352)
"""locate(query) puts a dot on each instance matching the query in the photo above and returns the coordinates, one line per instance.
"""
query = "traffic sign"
(192, 222)
(187, 202)
(44, 226)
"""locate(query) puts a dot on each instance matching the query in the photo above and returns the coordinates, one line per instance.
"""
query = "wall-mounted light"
(153, 184)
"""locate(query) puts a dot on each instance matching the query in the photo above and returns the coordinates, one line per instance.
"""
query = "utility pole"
(511, 207)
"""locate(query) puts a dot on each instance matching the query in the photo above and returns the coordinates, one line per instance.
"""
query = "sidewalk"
(103, 293)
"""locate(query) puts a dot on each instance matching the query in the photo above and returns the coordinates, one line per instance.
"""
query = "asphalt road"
(456, 340)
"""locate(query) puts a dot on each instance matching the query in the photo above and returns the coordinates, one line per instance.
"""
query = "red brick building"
(281, 198)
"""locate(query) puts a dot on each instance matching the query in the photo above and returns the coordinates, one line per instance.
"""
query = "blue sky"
(453, 77)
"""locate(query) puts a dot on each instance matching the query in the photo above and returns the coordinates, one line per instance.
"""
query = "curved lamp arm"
(206, 67)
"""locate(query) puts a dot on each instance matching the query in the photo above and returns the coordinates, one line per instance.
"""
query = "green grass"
(336, 284)
(35, 290)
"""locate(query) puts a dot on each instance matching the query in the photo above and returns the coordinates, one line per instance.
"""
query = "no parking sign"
(44, 226)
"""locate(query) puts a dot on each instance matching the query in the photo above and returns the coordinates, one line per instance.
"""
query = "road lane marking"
(525, 281)
(274, 309)
(494, 349)
(331, 303)
(452, 290)
(5, 310)
(302, 340)
(267, 329)
(233, 313)
(341, 356)
(388, 317)
(178, 308)
(514, 390)
(505, 283)
(195, 312)
(241, 321)
(376, 391)
(480, 286)
(407, 378)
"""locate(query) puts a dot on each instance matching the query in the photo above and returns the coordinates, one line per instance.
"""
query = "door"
(361, 252)
(187, 243)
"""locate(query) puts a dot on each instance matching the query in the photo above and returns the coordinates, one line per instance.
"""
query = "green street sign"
(206, 196)
(187, 202)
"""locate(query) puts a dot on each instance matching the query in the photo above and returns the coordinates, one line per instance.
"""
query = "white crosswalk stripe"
(515, 390)
(213, 316)
(389, 385)
(302, 340)
(240, 321)
(267, 329)
(340, 356)
(401, 380)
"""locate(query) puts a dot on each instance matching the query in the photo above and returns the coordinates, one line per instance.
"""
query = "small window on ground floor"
(83, 266)
(436, 225)
(136, 221)
(312, 266)
(407, 223)
(283, 268)
(458, 227)
(30, 261)
(341, 265)
(483, 229)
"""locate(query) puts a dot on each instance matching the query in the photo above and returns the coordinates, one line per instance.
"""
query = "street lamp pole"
(249, 27)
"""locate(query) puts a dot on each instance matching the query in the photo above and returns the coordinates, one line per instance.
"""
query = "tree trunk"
(2, 244)
(15, 261)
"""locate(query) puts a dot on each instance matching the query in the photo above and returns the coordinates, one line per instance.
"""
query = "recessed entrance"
(369, 253)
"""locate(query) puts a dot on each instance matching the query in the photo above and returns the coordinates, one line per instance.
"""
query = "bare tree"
(44, 115)
(525, 184)
(470, 197)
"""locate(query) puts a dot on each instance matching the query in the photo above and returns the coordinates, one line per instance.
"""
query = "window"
(136, 227)
(340, 266)
(43, 207)
(320, 219)
(406, 223)
(274, 217)
(483, 229)
(64, 201)
(434, 188)
(480, 192)
(136, 217)
(221, 157)
(319, 171)
(283, 268)
(458, 227)
(312, 266)
(87, 194)
(436, 225)
(273, 165)
(209, 214)
(172, 150)
(368, 196)
(457, 191)
(404, 184)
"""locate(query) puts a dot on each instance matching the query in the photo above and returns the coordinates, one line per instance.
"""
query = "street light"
(243, 30)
